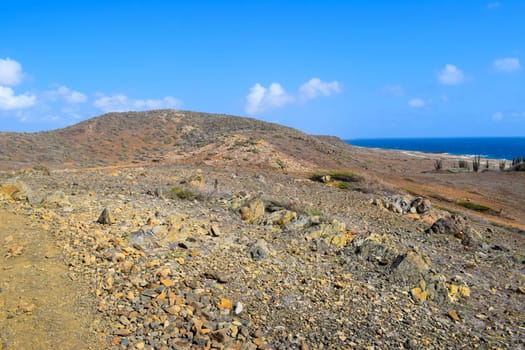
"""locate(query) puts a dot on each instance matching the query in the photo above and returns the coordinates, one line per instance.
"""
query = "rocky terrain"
(254, 236)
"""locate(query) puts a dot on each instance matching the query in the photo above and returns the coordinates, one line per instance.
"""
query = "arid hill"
(166, 136)
(182, 230)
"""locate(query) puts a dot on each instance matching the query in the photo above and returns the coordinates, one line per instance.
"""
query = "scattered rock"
(259, 250)
(144, 239)
(280, 217)
(215, 231)
(376, 248)
(453, 315)
(446, 225)
(334, 233)
(14, 190)
(106, 218)
(403, 204)
(421, 205)
(57, 199)
(412, 266)
(253, 212)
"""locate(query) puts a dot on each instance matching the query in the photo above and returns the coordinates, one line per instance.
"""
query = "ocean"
(486, 147)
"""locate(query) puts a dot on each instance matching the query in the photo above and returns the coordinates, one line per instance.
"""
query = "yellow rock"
(419, 294)
(166, 282)
(414, 216)
(225, 304)
(464, 291)
(453, 315)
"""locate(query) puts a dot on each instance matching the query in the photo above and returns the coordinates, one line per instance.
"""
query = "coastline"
(500, 148)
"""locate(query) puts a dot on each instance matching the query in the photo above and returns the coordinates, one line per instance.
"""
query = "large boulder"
(459, 228)
(412, 267)
(253, 211)
(420, 205)
(403, 204)
(376, 248)
(259, 250)
(14, 190)
(446, 226)
(334, 233)
(57, 199)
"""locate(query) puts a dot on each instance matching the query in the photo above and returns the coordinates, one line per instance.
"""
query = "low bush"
(182, 193)
(343, 176)
(474, 206)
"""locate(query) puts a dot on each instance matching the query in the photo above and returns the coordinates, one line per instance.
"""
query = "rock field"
(208, 257)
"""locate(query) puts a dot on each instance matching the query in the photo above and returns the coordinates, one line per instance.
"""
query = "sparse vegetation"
(518, 164)
(476, 163)
(42, 169)
(183, 193)
(502, 165)
(316, 212)
(474, 206)
(463, 164)
(343, 176)
(343, 185)
(438, 164)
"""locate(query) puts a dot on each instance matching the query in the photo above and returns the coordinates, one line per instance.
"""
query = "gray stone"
(259, 250)
(106, 218)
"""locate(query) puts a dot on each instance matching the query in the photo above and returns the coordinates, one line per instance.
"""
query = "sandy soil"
(40, 307)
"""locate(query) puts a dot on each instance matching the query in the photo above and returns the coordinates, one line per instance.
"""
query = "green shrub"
(474, 206)
(182, 193)
(316, 212)
(343, 185)
(344, 176)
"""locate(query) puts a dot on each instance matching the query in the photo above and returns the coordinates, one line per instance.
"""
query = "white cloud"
(493, 5)
(10, 101)
(507, 65)
(517, 115)
(261, 99)
(66, 93)
(10, 72)
(314, 87)
(121, 103)
(417, 103)
(497, 116)
(393, 90)
(451, 75)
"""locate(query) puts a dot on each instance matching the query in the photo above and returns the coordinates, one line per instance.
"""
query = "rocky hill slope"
(166, 136)
(182, 230)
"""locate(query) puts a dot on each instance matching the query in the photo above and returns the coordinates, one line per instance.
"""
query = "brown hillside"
(166, 136)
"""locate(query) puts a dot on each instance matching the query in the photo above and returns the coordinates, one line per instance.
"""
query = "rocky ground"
(189, 256)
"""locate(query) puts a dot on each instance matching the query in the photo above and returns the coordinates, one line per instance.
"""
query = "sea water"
(486, 147)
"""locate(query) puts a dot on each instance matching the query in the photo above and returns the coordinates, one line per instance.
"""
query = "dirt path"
(40, 307)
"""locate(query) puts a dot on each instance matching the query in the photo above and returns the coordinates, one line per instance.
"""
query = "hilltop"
(168, 136)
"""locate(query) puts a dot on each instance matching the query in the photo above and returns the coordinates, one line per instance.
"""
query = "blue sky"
(355, 69)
